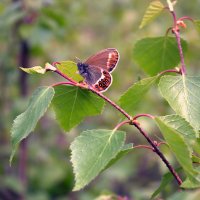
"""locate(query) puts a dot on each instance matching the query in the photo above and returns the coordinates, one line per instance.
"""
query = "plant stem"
(112, 103)
(64, 83)
(186, 18)
(121, 124)
(130, 119)
(178, 39)
(143, 147)
(159, 153)
(65, 76)
(176, 32)
(143, 115)
(169, 71)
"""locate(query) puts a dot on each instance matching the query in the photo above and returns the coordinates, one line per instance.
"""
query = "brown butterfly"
(96, 70)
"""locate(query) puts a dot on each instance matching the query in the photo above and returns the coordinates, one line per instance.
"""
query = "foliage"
(72, 105)
(26, 122)
(92, 151)
(153, 11)
(46, 28)
(157, 54)
(182, 93)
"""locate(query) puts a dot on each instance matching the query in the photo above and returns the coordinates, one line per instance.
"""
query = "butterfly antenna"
(78, 59)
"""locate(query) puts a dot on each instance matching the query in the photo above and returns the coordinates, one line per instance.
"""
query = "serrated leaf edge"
(185, 143)
(152, 7)
(130, 88)
(76, 188)
(165, 76)
(102, 109)
(14, 147)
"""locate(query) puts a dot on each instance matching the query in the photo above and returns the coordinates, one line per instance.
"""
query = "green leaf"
(157, 54)
(154, 9)
(91, 153)
(195, 159)
(197, 25)
(183, 95)
(196, 146)
(26, 122)
(34, 70)
(72, 105)
(132, 97)
(179, 124)
(178, 146)
(125, 149)
(192, 184)
(166, 179)
(70, 69)
(185, 195)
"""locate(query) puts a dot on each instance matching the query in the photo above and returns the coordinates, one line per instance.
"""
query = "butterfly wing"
(98, 78)
(106, 59)
(92, 75)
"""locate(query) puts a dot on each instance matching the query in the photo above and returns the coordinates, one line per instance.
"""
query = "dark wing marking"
(104, 82)
(106, 59)
(93, 74)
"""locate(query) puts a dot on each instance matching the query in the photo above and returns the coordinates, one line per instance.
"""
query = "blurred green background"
(35, 32)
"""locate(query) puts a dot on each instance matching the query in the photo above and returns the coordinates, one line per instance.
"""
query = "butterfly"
(96, 70)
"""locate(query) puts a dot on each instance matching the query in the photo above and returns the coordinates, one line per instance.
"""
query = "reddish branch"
(170, 71)
(64, 83)
(176, 32)
(143, 147)
(143, 115)
(121, 124)
(131, 120)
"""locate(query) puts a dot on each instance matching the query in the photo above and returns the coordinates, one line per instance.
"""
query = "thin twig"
(186, 18)
(156, 150)
(112, 103)
(133, 122)
(176, 32)
(121, 124)
(159, 153)
(143, 147)
(64, 83)
(170, 71)
(143, 115)
(161, 143)
(178, 39)
(65, 76)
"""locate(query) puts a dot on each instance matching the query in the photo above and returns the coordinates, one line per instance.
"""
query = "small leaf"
(166, 179)
(34, 70)
(195, 159)
(72, 105)
(178, 146)
(157, 54)
(197, 25)
(125, 149)
(196, 146)
(132, 97)
(26, 122)
(185, 195)
(179, 124)
(192, 184)
(70, 69)
(154, 9)
(91, 153)
(183, 95)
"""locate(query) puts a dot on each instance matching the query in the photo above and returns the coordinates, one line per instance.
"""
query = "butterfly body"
(97, 68)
